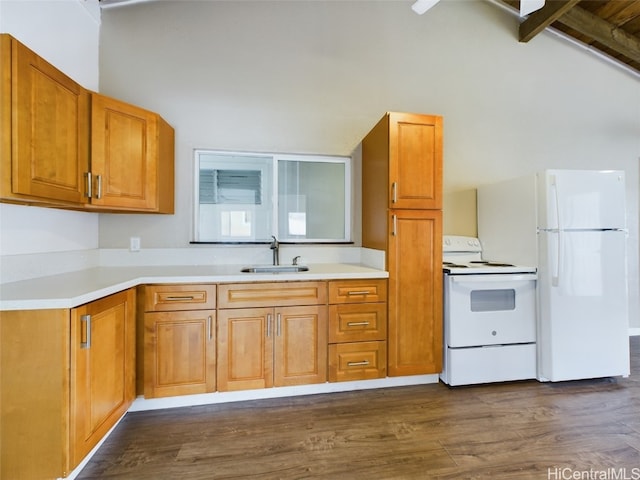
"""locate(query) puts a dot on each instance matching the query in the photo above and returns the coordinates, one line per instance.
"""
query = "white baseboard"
(142, 404)
(76, 471)
(634, 332)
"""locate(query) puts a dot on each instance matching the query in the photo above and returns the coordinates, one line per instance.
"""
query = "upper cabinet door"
(415, 161)
(50, 130)
(131, 157)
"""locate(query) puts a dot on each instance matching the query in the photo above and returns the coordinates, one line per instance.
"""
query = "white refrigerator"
(571, 225)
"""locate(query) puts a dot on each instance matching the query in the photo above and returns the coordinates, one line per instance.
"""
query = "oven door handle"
(511, 277)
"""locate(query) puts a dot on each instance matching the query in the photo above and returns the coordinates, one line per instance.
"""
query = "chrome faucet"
(275, 246)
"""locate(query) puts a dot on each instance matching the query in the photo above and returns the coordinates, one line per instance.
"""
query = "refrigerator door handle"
(557, 258)
(556, 200)
(559, 237)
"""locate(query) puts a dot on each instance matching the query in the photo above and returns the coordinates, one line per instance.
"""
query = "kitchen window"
(248, 197)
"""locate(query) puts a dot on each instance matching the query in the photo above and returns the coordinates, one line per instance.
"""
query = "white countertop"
(69, 290)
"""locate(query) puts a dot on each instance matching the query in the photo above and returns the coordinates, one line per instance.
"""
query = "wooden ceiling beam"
(541, 19)
(603, 32)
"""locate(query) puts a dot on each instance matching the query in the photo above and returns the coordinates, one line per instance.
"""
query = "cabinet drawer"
(357, 361)
(243, 295)
(158, 298)
(358, 291)
(357, 323)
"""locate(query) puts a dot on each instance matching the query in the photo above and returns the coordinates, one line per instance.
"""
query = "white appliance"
(489, 316)
(571, 225)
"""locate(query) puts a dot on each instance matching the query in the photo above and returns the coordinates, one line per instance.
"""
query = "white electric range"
(489, 316)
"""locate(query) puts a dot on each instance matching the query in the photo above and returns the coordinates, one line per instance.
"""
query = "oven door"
(490, 309)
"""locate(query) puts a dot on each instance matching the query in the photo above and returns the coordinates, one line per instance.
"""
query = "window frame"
(274, 159)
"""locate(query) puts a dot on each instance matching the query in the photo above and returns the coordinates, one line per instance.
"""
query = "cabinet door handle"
(357, 324)
(86, 320)
(363, 363)
(269, 325)
(210, 327)
(99, 186)
(394, 192)
(361, 292)
(89, 185)
(394, 219)
(177, 299)
(278, 324)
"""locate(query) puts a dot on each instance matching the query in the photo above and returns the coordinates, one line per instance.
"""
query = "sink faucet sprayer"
(275, 246)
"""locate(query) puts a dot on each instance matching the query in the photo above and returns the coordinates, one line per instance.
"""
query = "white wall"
(316, 76)
(66, 34)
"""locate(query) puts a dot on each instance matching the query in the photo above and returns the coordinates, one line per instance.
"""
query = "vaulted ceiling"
(610, 27)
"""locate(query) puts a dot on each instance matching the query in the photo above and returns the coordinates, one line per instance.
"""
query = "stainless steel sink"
(275, 269)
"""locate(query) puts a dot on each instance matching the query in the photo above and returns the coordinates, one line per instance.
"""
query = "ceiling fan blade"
(422, 6)
(530, 6)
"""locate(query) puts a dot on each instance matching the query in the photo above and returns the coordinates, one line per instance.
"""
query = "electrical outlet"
(134, 244)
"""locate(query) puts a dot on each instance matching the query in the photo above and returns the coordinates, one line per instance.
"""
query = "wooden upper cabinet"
(63, 146)
(404, 162)
(45, 133)
(132, 153)
(415, 161)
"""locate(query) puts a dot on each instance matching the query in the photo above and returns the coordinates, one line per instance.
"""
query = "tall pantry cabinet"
(402, 215)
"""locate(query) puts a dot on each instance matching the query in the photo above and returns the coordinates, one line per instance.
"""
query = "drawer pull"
(356, 292)
(178, 299)
(363, 363)
(357, 324)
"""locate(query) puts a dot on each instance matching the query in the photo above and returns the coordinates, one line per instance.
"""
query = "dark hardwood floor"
(520, 430)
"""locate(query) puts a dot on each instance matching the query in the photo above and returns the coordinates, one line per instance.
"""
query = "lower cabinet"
(267, 347)
(262, 346)
(357, 329)
(102, 368)
(357, 361)
(66, 377)
(177, 354)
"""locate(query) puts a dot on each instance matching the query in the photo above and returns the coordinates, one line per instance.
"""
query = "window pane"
(234, 197)
(311, 200)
